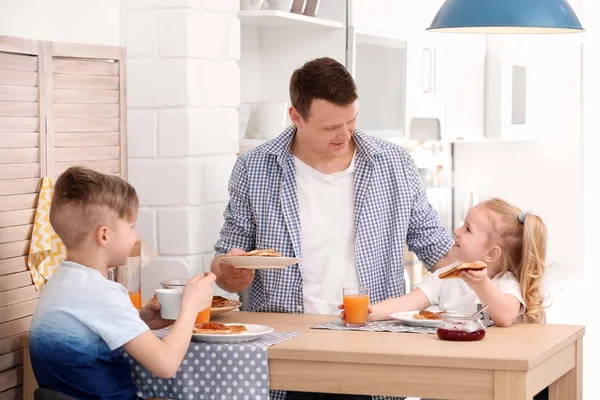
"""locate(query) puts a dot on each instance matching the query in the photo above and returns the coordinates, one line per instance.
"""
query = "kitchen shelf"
(375, 38)
(281, 19)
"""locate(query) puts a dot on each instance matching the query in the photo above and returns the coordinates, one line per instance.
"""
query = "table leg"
(569, 386)
(510, 385)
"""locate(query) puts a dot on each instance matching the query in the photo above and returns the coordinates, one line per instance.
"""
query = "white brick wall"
(143, 134)
(183, 93)
(160, 182)
(140, 33)
(214, 83)
(211, 131)
(179, 32)
(156, 83)
(146, 225)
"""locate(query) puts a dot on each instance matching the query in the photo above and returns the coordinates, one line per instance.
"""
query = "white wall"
(81, 21)
(183, 90)
(544, 176)
(591, 161)
(591, 139)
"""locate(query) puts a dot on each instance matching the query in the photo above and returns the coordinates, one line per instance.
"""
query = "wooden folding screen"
(60, 105)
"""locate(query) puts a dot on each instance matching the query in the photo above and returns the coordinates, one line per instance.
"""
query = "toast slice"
(455, 272)
(219, 329)
(262, 253)
(218, 301)
(429, 315)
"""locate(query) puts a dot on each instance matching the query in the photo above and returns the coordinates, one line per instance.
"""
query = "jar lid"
(456, 316)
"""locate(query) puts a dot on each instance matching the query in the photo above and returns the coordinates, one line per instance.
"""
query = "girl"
(513, 245)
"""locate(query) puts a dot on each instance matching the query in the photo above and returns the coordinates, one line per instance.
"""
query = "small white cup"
(170, 302)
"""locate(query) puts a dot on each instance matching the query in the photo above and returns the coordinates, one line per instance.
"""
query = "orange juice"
(203, 316)
(356, 308)
(136, 300)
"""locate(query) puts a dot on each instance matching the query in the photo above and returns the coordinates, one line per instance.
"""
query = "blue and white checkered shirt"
(391, 210)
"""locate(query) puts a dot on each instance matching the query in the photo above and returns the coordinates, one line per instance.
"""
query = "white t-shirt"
(81, 322)
(326, 203)
(455, 295)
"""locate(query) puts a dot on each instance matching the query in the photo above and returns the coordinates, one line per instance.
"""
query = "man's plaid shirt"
(391, 210)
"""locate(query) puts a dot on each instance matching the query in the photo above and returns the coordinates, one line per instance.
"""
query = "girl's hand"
(343, 315)
(475, 279)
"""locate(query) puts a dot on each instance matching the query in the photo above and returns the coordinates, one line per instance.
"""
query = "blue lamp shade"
(506, 16)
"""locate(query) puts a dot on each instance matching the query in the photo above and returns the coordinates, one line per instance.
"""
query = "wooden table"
(509, 364)
(512, 363)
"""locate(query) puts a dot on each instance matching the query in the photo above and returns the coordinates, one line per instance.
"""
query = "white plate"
(246, 262)
(254, 332)
(230, 306)
(406, 317)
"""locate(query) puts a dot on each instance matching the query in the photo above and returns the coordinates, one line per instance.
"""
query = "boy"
(83, 321)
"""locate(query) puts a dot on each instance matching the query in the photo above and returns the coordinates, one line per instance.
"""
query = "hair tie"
(522, 217)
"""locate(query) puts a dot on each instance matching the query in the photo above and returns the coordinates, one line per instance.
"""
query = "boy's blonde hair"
(82, 200)
(523, 247)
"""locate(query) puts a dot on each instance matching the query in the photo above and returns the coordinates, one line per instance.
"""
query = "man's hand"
(150, 314)
(475, 279)
(229, 278)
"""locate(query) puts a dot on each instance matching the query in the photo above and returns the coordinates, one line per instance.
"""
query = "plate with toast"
(426, 318)
(221, 305)
(261, 259)
(213, 332)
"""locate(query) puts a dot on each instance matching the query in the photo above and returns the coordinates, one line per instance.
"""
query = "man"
(344, 202)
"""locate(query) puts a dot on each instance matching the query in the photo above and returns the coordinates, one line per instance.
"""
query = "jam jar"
(460, 327)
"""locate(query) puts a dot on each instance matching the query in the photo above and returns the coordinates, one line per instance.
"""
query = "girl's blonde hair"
(523, 247)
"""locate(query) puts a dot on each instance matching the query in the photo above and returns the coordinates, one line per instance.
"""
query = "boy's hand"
(150, 314)
(343, 315)
(198, 292)
(475, 279)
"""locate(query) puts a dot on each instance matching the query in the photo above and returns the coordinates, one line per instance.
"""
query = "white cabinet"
(412, 84)
(507, 90)
(425, 107)
(422, 69)
(399, 90)
(462, 82)
(426, 52)
(445, 73)
(378, 64)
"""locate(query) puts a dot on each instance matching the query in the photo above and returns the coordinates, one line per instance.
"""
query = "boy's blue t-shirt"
(81, 322)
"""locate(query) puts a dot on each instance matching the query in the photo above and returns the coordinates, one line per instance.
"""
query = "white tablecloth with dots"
(214, 371)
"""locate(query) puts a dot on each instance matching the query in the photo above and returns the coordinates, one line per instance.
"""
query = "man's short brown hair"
(322, 78)
(82, 200)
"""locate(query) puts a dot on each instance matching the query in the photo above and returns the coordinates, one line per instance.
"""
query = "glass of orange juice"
(203, 316)
(130, 275)
(136, 299)
(356, 306)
